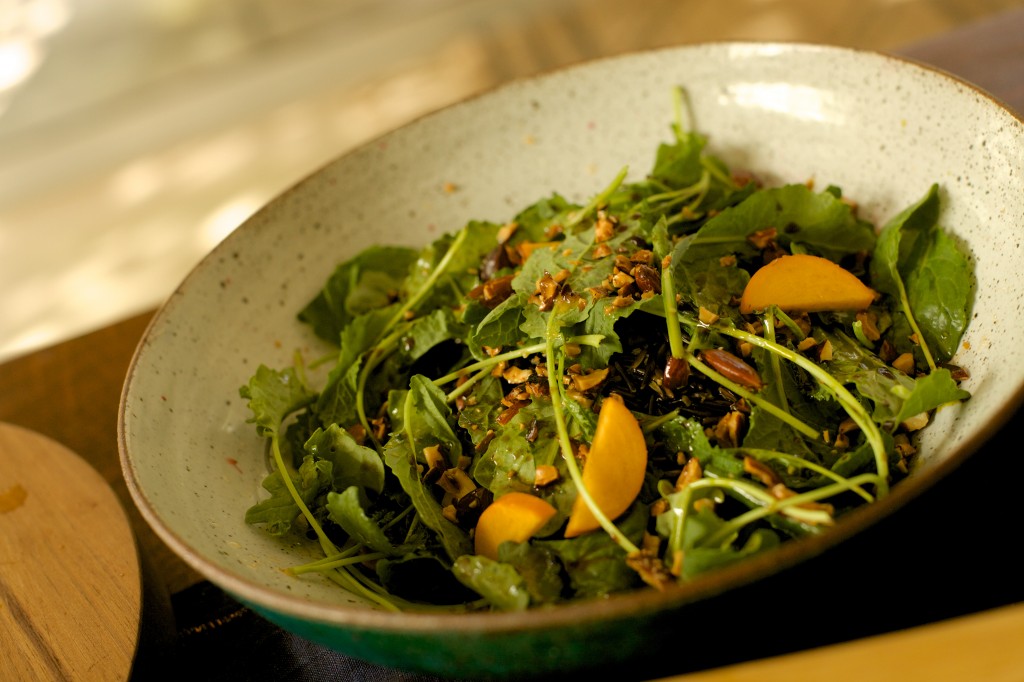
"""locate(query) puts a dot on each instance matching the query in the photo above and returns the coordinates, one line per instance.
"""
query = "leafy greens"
(477, 366)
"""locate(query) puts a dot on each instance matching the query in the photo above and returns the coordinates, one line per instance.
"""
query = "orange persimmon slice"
(804, 283)
(614, 469)
(512, 517)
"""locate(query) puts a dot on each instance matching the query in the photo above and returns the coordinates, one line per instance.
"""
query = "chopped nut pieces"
(380, 427)
(469, 507)
(807, 344)
(643, 257)
(761, 472)
(956, 372)
(869, 325)
(729, 430)
(650, 568)
(485, 441)
(590, 380)
(915, 423)
(517, 375)
(456, 482)
(358, 433)
(621, 279)
(691, 472)
(604, 229)
(532, 431)
(825, 351)
(544, 295)
(706, 316)
(493, 292)
(432, 453)
(622, 301)
(506, 416)
(545, 475)
(763, 238)
(781, 492)
(506, 231)
(904, 363)
(524, 249)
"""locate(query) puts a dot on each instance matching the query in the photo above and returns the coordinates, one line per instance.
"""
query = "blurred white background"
(136, 134)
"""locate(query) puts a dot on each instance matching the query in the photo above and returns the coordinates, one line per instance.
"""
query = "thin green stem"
(670, 198)
(325, 543)
(716, 172)
(675, 341)
(357, 584)
(577, 217)
(331, 563)
(653, 424)
(850, 404)
(467, 384)
(758, 495)
(407, 417)
(439, 269)
(388, 336)
(780, 389)
(905, 304)
(399, 516)
(789, 322)
(371, 361)
(788, 506)
(413, 525)
(753, 398)
(668, 299)
(681, 508)
(796, 461)
(523, 352)
(555, 389)
(682, 111)
(321, 562)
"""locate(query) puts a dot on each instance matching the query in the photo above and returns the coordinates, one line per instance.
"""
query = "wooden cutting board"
(70, 583)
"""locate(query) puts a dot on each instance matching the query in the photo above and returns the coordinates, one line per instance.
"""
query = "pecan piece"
(493, 291)
(650, 568)
(544, 295)
(761, 472)
(762, 238)
(545, 475)
(729, 429)
(733, 368)
(644, 256)
(517, 375)
(869, 325)
(691, 472)
(585, 382)
(620, 278)
(904, 363)
(647, 278)
(604, 229)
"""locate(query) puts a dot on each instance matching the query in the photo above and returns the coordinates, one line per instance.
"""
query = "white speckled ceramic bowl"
(881, 128)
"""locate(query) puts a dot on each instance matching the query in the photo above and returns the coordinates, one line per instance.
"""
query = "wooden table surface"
(70, 391)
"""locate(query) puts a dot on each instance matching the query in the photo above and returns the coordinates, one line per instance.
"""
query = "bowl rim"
(614, 607)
